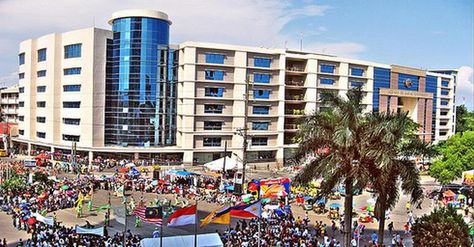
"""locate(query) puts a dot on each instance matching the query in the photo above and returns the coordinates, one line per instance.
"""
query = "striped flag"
(151, 215)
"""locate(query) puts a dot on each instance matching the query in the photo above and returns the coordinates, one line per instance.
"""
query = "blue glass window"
(72, 51)
(261, 78)
(41, 89)
(41, 104)
(41, 54)
(357, 84)
(215, 58)
(21, 104)
(444, 91)
(215, 75)
(214, 92)
(21, 89)
(71, 121)
(261, 110)
(262, 62)
(21, 58)
(41, 73)
(211, 142)
(72, 88)
(72, 71)
(71, 104)
(445, 83)
(213, 108)
(260, 125)
(40, 134)
(41, 119)
(259, 141)
(72, 138)
(327, 68)
(261, 94)
(444, 102)
(326, 81)
(408, 82)
(21, 75)
(357, 71)
(212, 125)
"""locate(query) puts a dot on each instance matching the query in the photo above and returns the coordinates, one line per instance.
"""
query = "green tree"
(443, 227)
(464, 119)
(455, 156)
(16, 182)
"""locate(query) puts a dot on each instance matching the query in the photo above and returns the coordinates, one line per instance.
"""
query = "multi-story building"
(9, 104)
(129, 91)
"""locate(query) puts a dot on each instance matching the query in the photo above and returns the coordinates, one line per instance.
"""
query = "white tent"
(204, 240)
(218, 165)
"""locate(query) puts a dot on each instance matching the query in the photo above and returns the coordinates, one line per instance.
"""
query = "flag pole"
(195, 225)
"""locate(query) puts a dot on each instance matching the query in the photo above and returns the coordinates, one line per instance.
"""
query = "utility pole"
(243, 132)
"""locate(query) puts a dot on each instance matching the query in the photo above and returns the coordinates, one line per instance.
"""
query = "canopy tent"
(203, 240)
(218, 165)
(181, 173)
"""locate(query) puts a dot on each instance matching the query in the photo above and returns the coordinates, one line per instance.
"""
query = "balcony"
(294, 112)
(291, 126)
(294, 83)
(297, 97)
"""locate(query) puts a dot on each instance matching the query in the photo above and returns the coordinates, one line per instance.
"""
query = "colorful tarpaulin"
(99, 231)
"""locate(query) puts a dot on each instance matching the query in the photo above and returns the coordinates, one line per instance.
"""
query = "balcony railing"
(294, 97)
(294, 69)
(294, 112)
(295, 83)
(291, 126)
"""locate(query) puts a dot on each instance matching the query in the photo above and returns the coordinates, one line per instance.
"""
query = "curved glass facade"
(140, 84)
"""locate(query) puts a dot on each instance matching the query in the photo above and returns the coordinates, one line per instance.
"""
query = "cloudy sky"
(423, 34)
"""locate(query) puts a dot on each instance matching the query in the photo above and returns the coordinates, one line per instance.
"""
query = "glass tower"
(140, 82)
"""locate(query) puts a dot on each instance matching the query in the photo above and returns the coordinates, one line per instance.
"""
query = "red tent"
(31, 221)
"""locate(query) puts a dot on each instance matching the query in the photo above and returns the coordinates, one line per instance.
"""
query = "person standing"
(390, 227)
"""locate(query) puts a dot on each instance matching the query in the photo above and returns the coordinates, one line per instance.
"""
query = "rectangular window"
(72, 71)
(41, 73)
(41, 119)
(21, 132)
(261, 94)
(40, 134)
(71, 121)
(21, 75)
(327, 68)
(213, 108)
(71, 104)
(41, 104)
(260, 125)
(41, 54)
(41, 89)
(445, 83)
(357, 71)
(21, 58)
(262, 62)
(261, 78)
(21, 118)
(214, 75)
(215, 58)
(72, 138)
(326, 81)
(212, 125)
(260, 110)
(21, 104)
(211, 142)
(259, 141)
(72, 88)
(444, 102)
(21, 89)
(355, 84)
(214, 92)
(444, 92)
(72, 51)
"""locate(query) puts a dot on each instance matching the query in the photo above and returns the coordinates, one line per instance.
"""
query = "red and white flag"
(183, 216)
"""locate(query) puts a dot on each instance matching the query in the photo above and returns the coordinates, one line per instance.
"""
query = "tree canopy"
(464, 119)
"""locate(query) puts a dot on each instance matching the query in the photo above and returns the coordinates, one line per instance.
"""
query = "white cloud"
(465, 87)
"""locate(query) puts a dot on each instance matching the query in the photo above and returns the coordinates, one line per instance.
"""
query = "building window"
(444, 102)
(21, 58)
(444, 92)
(211, 142)
(261, 78)
(357, 71)
(41, 119)
(41, 54)
(213, 108)
(21, 132)
(72, 71)
(214, 75)
(212, 125)
(72, 88)
(355, 84)
(261, 94)
(214, 91)
(327, 68)
(21, 89)
(72, 138)
(262, 62)
(72, 51)
(21, 118)
(261, 110)
(71, 121)
(41, 89)
(40, 134)
(259, 141)
(21, 104)
(41, 104)
(445, 83)
(71, 104)
(326, 81)
(215, 58)
(41, 73)
(260, 125)
(21, 75)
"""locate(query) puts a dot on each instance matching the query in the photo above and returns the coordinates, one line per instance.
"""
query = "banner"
(45, 220)
(99, 231)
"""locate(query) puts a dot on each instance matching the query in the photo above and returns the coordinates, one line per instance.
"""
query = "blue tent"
(133, 172)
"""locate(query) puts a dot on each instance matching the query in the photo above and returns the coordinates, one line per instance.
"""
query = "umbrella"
(130, 165)
(154, 182)
(22, 205)
(335, 205)
(31, 221)
(65, 187)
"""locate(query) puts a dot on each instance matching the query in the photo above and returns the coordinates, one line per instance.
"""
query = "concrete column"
(29, 148)
(280, 155)
(188, 157)
(136, 156)
(91, 157)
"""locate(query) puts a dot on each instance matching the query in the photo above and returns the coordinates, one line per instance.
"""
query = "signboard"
(29, 163)
(405, 93)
